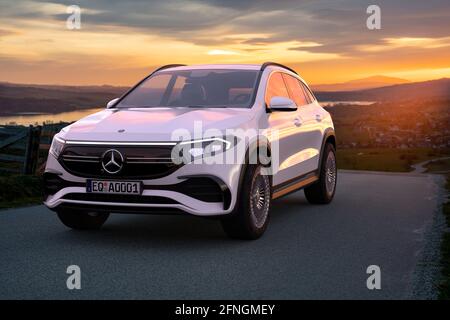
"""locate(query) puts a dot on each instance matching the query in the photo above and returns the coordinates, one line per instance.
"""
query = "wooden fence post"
(32, 149)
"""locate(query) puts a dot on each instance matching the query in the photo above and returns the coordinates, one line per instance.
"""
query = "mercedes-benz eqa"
(152, 151)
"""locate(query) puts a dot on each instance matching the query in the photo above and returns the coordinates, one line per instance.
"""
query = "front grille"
(139, 161)
(201, 188)
(53, 183)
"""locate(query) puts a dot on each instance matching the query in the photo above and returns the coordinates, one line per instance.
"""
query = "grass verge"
(20, 190)
(438, 166)
(384, 159)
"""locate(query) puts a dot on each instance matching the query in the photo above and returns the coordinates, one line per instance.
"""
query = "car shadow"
(180, 230)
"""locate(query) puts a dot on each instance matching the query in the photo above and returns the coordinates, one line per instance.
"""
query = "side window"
(295, 90)
(276, 87)
(308, 93)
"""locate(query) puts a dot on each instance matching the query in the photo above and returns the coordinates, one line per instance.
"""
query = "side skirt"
(294, 184)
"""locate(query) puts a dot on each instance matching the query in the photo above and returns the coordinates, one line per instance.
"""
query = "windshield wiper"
(138, 107)
(189, 106)
(200, 106)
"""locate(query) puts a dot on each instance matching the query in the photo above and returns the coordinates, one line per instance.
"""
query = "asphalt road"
(307, 252)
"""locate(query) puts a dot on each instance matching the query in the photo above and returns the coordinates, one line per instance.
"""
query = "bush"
(20, 189)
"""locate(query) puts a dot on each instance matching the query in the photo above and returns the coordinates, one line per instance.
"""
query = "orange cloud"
(404, 42)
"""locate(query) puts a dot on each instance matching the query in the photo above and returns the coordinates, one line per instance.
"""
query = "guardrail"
(24, 149)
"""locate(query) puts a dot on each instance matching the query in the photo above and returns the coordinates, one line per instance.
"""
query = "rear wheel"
(80, 220)
(322, 192)
(250, 217)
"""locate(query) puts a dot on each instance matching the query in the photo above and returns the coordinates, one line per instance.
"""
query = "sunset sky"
(122, 41)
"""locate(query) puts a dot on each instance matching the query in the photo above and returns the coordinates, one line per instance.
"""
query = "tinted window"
(150, 93)
(175, 93)
(276, 87)
(296, 91)
(194, 88)
(308, 93)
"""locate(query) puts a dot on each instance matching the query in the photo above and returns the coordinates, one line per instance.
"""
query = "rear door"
(316, 115)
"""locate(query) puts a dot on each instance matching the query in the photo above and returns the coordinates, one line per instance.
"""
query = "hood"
(153, 124)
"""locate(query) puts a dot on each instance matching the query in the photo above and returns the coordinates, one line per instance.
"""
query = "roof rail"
(167, 66)
(266, 64)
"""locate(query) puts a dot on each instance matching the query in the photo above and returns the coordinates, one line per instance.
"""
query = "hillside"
(434, 89)
(360, 84)
(16, 99)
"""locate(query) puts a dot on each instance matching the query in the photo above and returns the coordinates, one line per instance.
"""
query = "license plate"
(114, 187)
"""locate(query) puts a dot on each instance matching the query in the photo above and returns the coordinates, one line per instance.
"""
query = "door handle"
(297, 122)
(318, 117)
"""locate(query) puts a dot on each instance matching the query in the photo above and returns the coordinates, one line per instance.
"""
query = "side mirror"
(111, 104)
(282, 104)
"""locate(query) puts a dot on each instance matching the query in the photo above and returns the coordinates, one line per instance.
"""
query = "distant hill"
(434, 89)
(360, 84)
(17, 98)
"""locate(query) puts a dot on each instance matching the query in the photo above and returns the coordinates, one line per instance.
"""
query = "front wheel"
(250, 217)
(322, 192)
(80, 220)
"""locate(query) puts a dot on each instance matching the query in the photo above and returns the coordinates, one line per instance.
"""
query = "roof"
(256, 67)
(217, 66)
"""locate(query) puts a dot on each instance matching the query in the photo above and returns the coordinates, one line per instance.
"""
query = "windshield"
(194, 89)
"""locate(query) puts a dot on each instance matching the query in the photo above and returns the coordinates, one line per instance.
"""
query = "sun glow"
(218, 52)
(36, 47)
(396, 43)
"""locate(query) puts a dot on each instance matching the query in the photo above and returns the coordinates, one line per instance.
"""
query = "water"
(70, 116)
(39, 118)
(345, 103)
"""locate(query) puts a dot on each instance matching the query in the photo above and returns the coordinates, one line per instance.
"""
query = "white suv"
(208, 140)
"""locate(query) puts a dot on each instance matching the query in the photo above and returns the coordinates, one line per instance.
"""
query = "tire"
(322, 192)
(80, 220)
(250, 216)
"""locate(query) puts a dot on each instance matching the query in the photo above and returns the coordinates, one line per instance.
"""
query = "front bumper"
(172, 193)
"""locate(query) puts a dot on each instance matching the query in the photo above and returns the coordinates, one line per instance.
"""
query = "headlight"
(57, 146)
(187, 151)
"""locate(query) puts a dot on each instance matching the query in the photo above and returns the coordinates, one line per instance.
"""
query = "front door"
(286, 125)
(305, 153)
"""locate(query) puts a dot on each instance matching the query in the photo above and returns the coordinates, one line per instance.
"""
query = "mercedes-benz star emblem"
(112, 161)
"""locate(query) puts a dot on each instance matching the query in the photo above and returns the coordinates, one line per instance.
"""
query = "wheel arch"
(253, 148)
(328, 137)
(255, 145)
